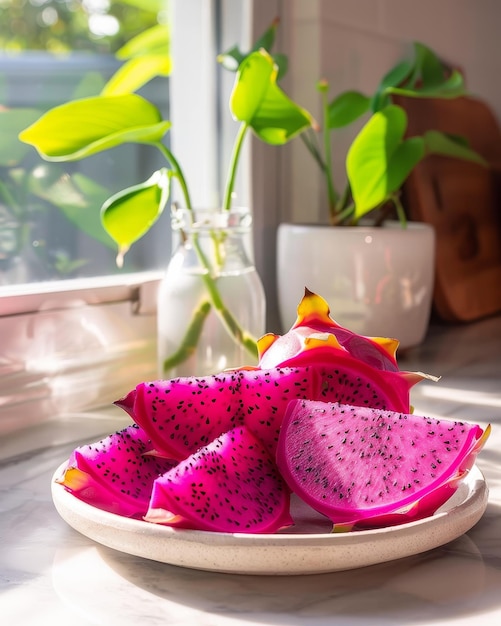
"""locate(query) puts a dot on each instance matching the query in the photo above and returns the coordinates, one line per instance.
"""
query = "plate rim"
(75, 511)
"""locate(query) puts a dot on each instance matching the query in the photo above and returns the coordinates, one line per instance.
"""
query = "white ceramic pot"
(377, 281)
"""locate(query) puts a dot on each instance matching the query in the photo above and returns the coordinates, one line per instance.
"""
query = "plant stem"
(310, 143)
(343, 200)
(343, 215)
(190, 340)
(400, 210)
(331, 191)
(178, 172)
(237, 148)
(216, 301)
(227, 318)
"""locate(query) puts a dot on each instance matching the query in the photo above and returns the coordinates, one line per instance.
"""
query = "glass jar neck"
(237, 220)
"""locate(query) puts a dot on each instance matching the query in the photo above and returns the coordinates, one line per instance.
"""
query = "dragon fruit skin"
(317, 340)
(315, 328)
(364, 467)
(115, 474)
(230, 485)
(183, 414)
(350, 381)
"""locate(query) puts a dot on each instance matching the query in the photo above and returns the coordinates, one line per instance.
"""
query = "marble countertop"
(50, 574)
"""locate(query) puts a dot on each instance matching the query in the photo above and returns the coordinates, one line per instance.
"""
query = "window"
(75, 331)
(80, 333)
(49, 212)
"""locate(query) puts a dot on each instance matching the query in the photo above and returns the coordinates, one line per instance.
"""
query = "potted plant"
(197, 309)
(378, 280)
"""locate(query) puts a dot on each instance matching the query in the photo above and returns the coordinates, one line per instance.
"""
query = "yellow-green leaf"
(254, 77)
(147, 55)
(153, 40)
(129, 214)
(137, 72)
(379, 159)
(257, 101)
(83, 127)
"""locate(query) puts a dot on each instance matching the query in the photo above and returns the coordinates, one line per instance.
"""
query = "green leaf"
(391, 79)
(428, 67)
(448, 145)
(129, 214)
(267, 39)
(253, 80)
(233, 57)
(78, 197)
(380, 160)
(396, 75)
(452, 87)
(12, 121)
(148, 56)
(154, 40)
(257, 101)
(136, 73)
(83, 127)
(347, 108)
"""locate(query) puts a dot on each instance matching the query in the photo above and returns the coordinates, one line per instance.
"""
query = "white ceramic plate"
(309, 549)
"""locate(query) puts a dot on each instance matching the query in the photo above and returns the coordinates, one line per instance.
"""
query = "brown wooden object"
(463, 202)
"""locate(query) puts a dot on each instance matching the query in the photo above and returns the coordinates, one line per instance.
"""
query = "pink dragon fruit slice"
(183, 414)
(230, 485)
(115, 474)
(364, 467)
(315, 328)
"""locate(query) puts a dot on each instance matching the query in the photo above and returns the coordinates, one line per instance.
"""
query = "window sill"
(74, 349)
(138, 288)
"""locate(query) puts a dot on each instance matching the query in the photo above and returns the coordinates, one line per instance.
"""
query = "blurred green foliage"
(62, 26)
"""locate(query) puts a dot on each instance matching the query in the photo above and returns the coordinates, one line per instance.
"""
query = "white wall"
(352, 43)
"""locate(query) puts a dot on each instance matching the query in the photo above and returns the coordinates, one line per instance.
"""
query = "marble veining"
(50, 574)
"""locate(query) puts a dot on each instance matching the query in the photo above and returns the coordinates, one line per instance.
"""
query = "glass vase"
(211, 302)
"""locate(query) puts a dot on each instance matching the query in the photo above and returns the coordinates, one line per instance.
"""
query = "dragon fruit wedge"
(314, 329)
(115, 474)
(230, 485)
(364, 467)
(182, 414)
